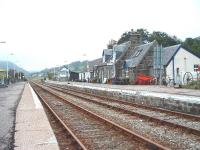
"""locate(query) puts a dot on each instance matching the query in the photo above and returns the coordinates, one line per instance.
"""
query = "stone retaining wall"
(138, 98)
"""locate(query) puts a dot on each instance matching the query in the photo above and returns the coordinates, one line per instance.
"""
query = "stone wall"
(138, 98)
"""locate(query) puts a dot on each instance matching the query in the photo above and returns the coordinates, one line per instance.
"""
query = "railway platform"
(147, 88)
(33, 130)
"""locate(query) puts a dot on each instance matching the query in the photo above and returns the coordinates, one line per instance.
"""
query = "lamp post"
(13, 68)
(54, 72)
(7, 65)
(17, 69)
(19, 73)
(68, 71)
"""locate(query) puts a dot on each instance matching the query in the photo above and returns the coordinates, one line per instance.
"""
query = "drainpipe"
(114, 61)
(160, 64)
(173, 70)
(114, 69)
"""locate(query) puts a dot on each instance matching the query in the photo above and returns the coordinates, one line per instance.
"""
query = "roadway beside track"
(9, 99)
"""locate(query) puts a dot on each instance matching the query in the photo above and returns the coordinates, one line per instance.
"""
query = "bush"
(192, 85)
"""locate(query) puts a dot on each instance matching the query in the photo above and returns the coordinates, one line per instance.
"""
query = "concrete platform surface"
(9, 99)
(149, 88)
(33, 131)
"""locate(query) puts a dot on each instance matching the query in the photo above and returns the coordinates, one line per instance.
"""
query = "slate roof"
(107, 52)
(169, 52)
(137, 54)
(121, 48)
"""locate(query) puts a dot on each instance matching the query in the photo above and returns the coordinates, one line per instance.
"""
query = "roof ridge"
(173, 46)
(145, 44)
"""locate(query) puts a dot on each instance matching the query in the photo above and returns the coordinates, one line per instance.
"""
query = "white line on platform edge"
(37, 103)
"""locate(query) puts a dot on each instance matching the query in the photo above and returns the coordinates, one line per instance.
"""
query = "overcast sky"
(46, 33)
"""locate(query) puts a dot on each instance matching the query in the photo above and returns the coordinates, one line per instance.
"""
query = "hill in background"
(76, 66)
(3, 65)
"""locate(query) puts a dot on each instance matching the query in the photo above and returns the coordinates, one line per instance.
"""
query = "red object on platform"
(143, 79)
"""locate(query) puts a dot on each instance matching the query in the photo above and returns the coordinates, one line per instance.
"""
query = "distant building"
(66, 74)
(126, 60)
(134, 60)
(141, 60)
(88, 73)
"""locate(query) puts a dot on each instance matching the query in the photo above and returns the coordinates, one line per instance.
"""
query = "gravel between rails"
(174, 138)
(163, 116)
(65, 140)
(96, 133)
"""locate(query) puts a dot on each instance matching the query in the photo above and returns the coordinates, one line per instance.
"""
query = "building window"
(196, 67)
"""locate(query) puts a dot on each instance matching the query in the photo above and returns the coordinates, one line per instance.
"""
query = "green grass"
(192, 85)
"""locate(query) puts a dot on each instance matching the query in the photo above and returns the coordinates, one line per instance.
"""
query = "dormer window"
(137, 53)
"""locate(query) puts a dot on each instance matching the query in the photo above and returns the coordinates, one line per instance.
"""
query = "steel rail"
(149, 143)
(63, 124)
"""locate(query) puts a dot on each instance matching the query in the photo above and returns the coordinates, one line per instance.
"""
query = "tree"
(50, 75)
(111, 44)
(163, 38)
(124, 37)
(127, 35)
(192, 45)
(144, 33)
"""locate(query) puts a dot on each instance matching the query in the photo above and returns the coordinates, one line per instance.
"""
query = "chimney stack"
(136, 38)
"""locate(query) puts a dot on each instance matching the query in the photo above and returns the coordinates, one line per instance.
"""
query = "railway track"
(63, 136)
(189, 123)
(89, 130)
(162, 120)
(72, 141)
